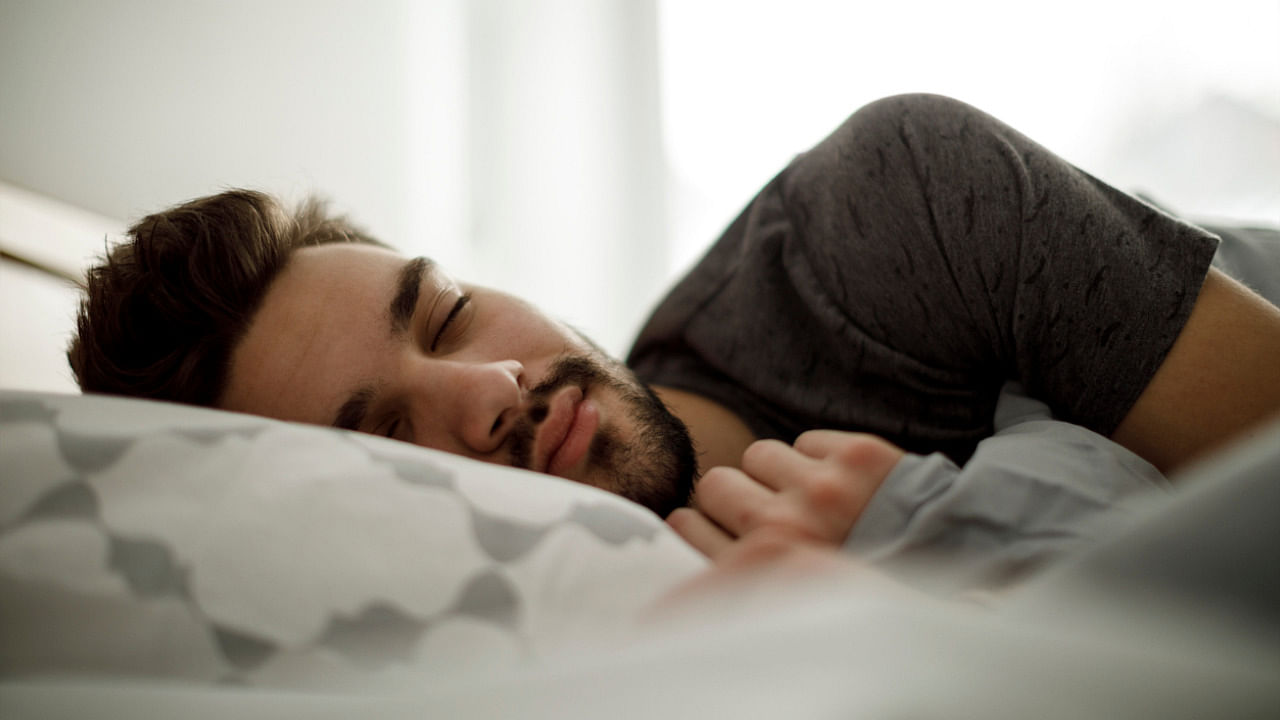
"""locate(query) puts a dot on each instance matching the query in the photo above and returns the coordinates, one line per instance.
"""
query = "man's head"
(231, 302)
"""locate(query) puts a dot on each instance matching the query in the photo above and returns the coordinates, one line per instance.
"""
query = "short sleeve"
(981, 251)
(893, 278)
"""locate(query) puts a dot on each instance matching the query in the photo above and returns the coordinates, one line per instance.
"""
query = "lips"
(565, 435)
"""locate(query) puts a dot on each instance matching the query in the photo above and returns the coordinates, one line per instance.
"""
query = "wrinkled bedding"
(160, 560)
(193, 563)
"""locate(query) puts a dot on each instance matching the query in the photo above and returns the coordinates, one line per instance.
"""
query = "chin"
(640, 450)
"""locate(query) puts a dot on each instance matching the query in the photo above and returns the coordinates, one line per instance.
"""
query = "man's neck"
(719, 435)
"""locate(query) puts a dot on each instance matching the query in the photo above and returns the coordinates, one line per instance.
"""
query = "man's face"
(358, 337)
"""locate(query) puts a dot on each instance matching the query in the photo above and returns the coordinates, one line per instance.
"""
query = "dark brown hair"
(165, 309)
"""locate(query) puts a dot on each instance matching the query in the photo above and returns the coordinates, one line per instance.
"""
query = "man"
(891, 281)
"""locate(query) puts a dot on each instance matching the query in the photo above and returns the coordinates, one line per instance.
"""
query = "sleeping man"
(861, 343)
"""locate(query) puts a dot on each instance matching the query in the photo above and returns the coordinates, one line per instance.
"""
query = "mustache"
(568, 370)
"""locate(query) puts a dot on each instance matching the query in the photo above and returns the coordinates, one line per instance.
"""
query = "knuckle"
(764, 547)
(680, 518)
(755, 517)
(820, 433)
(862, 451)
(829, 489)
(809, 438)
(775, 515)
(750, 517)
(758, 452)
(714, 479)
(781, 540)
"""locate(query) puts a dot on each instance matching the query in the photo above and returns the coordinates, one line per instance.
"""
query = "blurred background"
(581, 153)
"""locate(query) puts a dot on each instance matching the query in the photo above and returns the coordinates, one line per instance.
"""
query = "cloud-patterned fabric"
(155, 540)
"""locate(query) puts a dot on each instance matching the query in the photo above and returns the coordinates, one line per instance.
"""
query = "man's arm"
(1219, 382)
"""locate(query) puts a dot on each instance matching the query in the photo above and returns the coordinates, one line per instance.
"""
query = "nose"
(486, 399)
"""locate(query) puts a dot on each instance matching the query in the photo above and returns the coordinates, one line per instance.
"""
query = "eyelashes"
(449, 327)
(448, 320)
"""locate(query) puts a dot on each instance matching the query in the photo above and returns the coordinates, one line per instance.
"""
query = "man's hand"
(813, 492)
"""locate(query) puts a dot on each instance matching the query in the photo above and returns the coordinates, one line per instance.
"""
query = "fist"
(812, 491)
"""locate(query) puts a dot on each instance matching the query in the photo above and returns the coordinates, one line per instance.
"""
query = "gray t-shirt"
(892, 280)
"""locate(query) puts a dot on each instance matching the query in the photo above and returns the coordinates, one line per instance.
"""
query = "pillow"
(158, 540)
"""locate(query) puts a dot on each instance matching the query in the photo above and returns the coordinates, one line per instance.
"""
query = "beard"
(656, 467)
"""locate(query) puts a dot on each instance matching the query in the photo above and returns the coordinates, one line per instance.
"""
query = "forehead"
(322, 326)
(351, 267)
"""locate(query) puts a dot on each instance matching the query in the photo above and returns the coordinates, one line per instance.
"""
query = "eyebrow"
(351, 415)
(408, 285)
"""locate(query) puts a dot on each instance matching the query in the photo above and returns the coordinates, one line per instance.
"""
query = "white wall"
(579, 152)
(128, 106)
(517, 142)
(566, 166)
(37, 309)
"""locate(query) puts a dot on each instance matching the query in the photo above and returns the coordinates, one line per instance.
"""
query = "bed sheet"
(1074, 643)
(184, 561)
(124, 598)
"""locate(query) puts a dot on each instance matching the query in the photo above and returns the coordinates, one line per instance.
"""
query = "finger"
(821, 443)
(777, 465)
(867, 453)
(773, 546)
(732, 499)
(762, 547)
(704, 535)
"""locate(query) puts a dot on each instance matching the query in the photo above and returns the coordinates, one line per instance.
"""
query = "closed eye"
(453, 314)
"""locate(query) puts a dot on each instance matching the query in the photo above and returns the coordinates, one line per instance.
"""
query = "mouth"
(566, 434)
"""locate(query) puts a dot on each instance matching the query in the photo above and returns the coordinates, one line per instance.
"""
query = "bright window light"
(1179, 100)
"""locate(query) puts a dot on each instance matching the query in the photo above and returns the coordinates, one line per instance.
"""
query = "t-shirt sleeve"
(966, 246)
(893, 278)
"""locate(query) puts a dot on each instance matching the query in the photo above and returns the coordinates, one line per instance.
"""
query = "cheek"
(510, 328)
(543, 340)
(528, 333)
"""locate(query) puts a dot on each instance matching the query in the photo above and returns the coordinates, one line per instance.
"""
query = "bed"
(162, 560)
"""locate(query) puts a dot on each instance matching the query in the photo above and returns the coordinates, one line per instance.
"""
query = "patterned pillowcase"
(158, 540)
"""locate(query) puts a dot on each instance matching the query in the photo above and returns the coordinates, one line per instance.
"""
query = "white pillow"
(160, 540)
